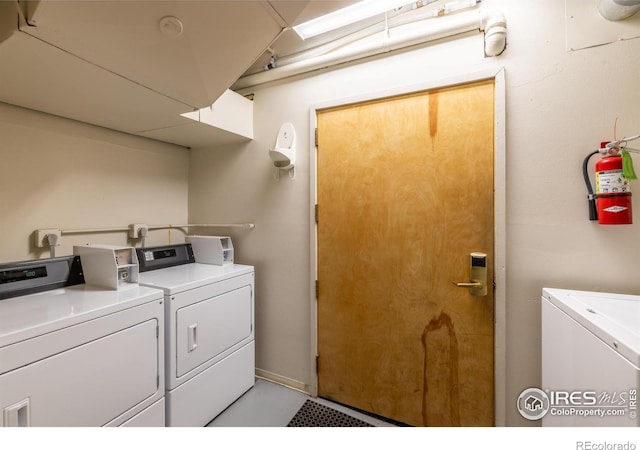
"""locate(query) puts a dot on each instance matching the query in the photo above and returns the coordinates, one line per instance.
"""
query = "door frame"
(498, 77)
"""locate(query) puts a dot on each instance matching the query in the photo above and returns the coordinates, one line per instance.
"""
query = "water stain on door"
(440, 398)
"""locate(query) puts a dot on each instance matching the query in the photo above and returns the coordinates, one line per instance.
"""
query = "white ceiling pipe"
(495, 33)
(491, 22)
(615, 10)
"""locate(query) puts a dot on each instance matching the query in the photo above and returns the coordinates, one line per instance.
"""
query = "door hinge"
(317, 290)
(157, 331)
(157, 381)
(317, 364)
(316, 213)
(315, 138)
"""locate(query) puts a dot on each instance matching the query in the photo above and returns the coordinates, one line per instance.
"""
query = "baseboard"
(284, 381)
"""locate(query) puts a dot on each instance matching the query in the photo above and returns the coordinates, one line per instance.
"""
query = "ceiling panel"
(44, 78)
(192, 58)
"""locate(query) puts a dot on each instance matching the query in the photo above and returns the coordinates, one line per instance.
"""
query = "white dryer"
(590, 358)
(74, 355)
(209, 317)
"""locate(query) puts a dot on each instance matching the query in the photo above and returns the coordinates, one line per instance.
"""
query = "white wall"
(59, 173)
(560, 105)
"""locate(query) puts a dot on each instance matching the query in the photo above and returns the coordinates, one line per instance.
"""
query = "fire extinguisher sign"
(611, 182)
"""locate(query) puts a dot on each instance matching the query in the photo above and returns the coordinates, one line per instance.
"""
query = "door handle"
(470, 284)
(477, 274)
(192, 337)
(18, 414)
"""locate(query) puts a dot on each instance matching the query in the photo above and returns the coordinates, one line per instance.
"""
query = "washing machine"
(75, 355)
(209, 331)
(590, 358)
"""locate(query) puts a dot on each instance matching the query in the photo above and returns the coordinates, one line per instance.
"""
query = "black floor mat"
(313, 414)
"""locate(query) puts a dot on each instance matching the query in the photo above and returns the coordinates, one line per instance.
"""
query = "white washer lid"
(190, 276)
(614, 318)
(35, 314)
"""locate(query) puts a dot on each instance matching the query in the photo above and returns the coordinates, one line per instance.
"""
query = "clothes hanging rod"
(93, 230)
(248, 226)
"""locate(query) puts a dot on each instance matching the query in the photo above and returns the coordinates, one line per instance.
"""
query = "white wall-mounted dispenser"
(284, 153)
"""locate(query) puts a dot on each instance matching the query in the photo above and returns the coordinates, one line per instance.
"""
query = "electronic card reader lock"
(477, 274)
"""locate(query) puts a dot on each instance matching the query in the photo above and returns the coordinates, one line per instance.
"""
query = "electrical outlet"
(134, 230)
(41, 236)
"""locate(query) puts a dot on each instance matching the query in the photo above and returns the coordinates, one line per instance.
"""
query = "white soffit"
(587, 28)
(47, 79)
(231, 112)
(219, 40)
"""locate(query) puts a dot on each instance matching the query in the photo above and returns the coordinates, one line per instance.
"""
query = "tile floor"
(269, 404)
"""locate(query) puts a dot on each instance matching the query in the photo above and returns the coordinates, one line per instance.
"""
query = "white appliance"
(210, 352)
(75, 355)
(590, 358)
(217, 250)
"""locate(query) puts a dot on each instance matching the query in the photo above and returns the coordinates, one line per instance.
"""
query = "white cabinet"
(228, 120)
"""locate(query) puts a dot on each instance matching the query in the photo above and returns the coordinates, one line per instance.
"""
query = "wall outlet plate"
(41, 236)
(134, 230)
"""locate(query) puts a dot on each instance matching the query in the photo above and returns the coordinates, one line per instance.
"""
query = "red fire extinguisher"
(613, 190)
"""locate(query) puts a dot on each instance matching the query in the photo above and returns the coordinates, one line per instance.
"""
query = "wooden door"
(405, 193)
